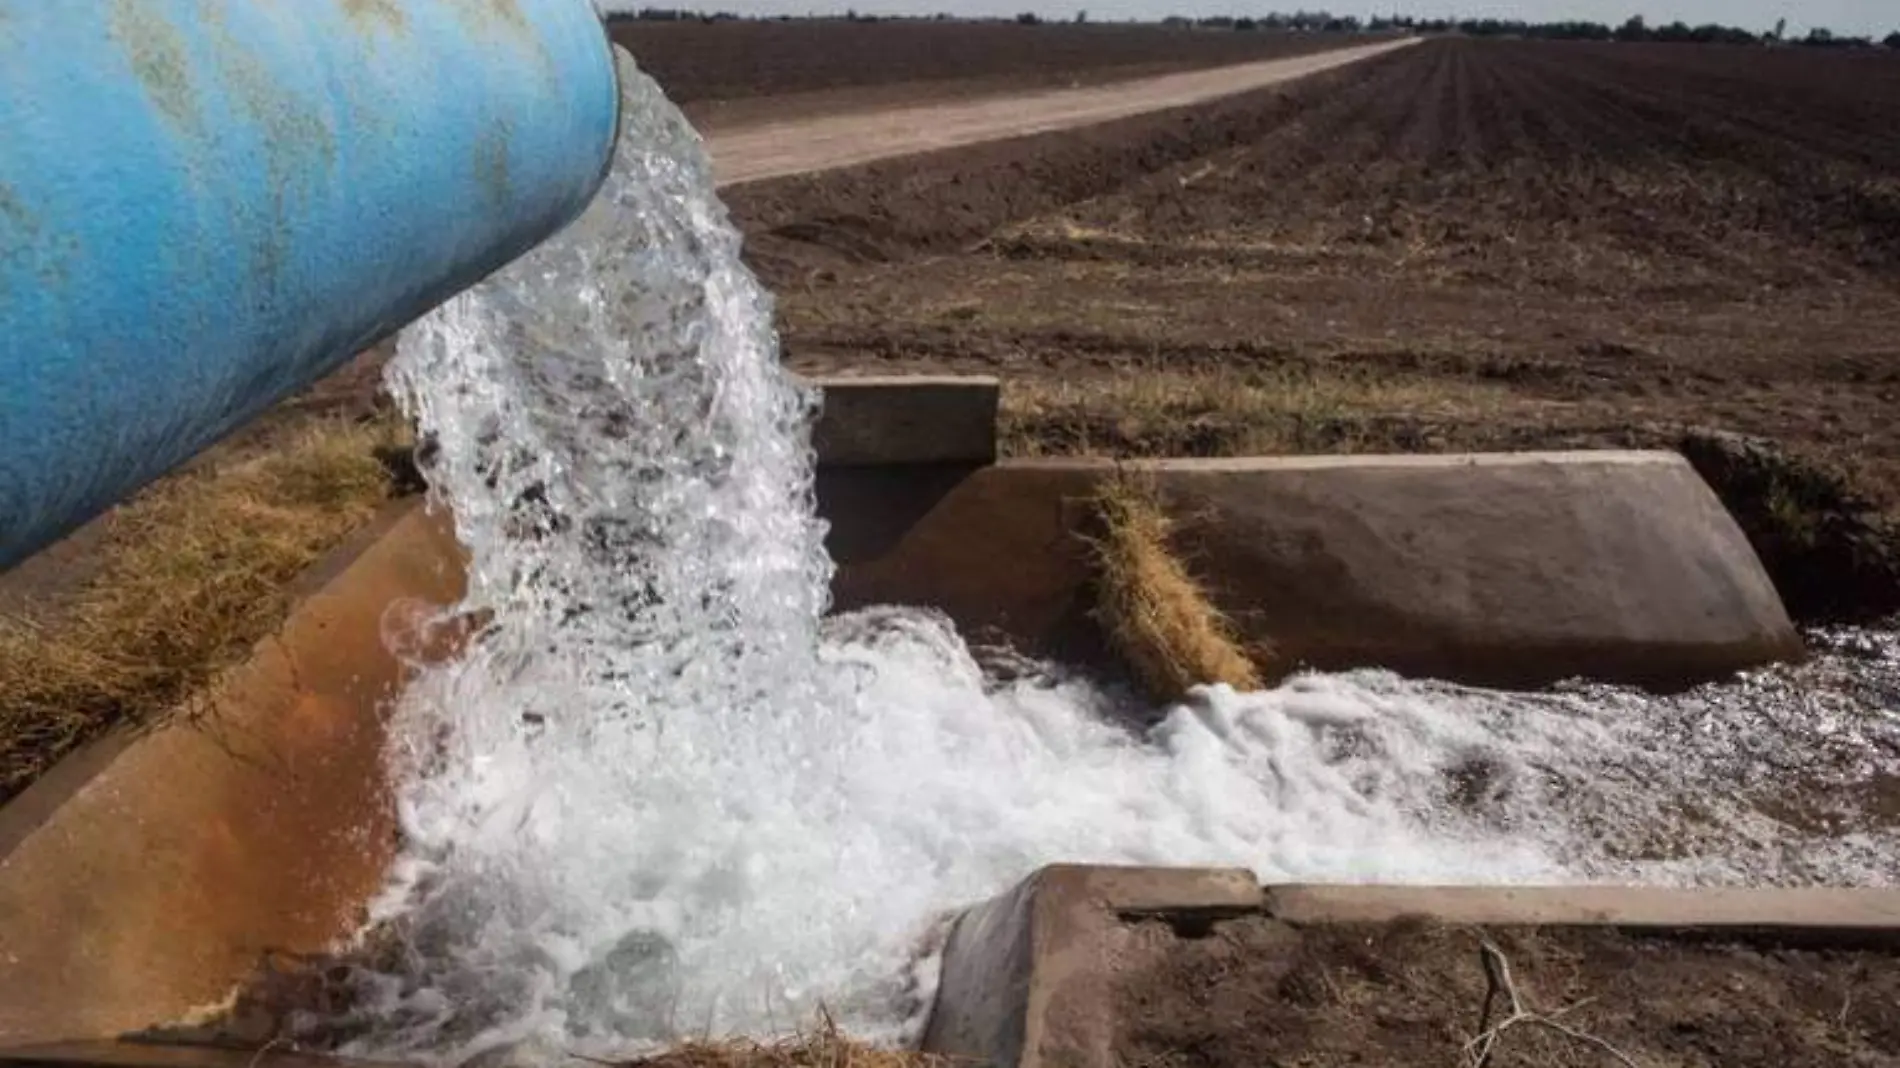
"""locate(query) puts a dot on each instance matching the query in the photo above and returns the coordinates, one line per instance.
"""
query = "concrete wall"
(1500, 569)
(150, 873)
(1024, 977)
(899, 421)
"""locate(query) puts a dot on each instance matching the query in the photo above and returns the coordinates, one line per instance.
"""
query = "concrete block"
(1787, 909)
(1023, 980)
(905, 420)
(1508, 570)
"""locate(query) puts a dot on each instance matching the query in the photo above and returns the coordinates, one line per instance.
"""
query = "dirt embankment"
(1466, 245)
(1256, 992)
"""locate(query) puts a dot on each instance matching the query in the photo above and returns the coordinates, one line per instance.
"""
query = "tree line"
(1634, 29)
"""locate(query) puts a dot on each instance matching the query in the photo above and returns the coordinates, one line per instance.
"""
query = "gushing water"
(660, 795)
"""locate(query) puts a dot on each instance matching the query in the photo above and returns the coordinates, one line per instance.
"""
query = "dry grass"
(1065, 237)
(1154, 612)
(196, 570)
(1229, 412)
(824, 1047)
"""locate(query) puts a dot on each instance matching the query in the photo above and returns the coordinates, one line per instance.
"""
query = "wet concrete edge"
(147, 873)
(29, 810)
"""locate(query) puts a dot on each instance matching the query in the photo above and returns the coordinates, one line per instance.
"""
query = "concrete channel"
(149, 875)
(146, 876)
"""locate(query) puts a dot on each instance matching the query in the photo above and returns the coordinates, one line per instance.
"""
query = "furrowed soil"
(1257, 992)
(1463, 245)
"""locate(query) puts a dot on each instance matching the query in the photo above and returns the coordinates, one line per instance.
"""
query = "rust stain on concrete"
(160, 59)
(135, 901)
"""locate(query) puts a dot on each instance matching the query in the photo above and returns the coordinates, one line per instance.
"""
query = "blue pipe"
(206, 205)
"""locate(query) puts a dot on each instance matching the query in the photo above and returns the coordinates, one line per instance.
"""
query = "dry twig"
(1497, 979)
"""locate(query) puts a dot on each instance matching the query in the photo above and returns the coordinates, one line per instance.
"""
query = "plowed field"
(1461, 245)
(701, 61)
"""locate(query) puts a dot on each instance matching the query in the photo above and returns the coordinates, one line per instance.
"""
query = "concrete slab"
(905, 420)
(1791, 909)
(145, 879)
(1022, 982)
(1510, 570)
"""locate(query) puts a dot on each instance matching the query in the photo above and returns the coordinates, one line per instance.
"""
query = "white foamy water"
(662, 797)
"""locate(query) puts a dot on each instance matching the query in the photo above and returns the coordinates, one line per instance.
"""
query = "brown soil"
(744, 71)
(1516, 245)
(1255, 992)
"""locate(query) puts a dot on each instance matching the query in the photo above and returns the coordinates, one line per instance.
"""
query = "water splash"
(629, 469)
(661, 795)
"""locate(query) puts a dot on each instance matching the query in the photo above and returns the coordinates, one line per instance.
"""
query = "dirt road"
(777, 150)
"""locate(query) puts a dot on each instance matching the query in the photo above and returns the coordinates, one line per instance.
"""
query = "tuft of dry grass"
(1230, 412)
(823, 1047)
(197, 569)
(1154, 612)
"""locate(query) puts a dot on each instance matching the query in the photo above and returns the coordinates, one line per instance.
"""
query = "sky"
(1875, 18)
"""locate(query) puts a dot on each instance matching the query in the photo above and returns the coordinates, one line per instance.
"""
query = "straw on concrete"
(1154, 612)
